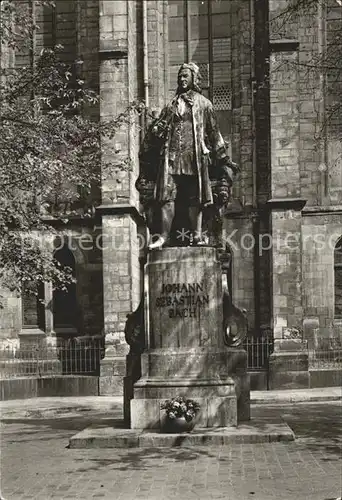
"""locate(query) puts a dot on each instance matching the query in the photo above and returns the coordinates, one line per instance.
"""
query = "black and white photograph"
(171, 249)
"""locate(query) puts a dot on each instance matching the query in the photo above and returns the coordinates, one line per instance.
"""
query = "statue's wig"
(196, 75)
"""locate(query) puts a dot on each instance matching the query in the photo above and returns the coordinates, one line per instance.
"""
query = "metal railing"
(67, 358)
(326, 354)
(258, 352)
(82, 356)
(325, 359)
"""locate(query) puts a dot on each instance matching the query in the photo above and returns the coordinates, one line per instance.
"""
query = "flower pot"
(176, 425)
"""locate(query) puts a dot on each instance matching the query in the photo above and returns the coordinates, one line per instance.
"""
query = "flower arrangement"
(293, 333)
(181, 407)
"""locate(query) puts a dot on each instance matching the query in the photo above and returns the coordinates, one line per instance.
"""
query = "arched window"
(338, 278)
(65, 310)
(33, 309)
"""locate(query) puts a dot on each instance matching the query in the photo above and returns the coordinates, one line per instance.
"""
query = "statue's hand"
(146, 190)
(223, 195)
(221, 191)
(159, 129)
(228, 174)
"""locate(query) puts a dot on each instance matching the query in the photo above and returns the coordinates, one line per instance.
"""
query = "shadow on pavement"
(46, 428)
(144, 458)
(318, 426)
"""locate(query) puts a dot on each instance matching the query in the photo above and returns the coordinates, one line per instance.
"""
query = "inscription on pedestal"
(183, 300)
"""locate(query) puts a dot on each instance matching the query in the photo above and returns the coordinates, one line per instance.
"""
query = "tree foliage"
(50, 150)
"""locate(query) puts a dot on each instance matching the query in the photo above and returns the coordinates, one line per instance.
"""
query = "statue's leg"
(195, 217)
(167, 216)
(167, 213)
(193, 206)
(196, 222)
(150, 216)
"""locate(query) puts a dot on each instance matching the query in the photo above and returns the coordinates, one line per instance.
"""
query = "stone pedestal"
(185, 354)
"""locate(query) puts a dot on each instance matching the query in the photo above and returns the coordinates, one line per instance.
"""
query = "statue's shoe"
(200, 241)
(157, 244)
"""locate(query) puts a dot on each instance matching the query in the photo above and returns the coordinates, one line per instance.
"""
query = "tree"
(50, 151)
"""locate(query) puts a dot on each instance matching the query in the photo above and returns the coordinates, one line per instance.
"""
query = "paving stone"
(36, 463)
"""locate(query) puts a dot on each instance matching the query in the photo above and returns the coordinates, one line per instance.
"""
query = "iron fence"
(75, 357)
(258, 352)
(328, 359)
(326, 353)
(67, 358)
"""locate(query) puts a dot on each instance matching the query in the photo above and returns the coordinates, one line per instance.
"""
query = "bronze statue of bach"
(182, 157)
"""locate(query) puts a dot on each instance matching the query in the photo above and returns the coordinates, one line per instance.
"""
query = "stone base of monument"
(116, 436)
(224, 399)
(185, 355)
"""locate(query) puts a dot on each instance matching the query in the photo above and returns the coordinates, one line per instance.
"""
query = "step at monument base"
(218, 400)
(255, 431)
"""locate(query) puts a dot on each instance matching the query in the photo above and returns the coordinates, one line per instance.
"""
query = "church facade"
(283, 225)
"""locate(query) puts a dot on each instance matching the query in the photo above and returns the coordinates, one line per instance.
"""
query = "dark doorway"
(65, 308)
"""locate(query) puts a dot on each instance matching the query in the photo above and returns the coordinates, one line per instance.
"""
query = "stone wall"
(262, 163)
(120, 48)
(242, 136)
(10, 316)
(120, 273)
(285, 125)
(320, 233)
(303, 155)
(295, 97)
(239, 235)
(238, 228)
(286, 270)
(156, 52)
(333, 102)
(304, 135)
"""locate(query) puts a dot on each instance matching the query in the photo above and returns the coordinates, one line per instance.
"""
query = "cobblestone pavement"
(36, 464)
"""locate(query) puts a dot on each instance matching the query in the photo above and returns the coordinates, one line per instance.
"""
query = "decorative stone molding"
(113, 49)
(319, 210)
(121, 209)
(296, 204)
(284, 45)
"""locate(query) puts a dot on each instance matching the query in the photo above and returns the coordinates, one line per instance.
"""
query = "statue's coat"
(210, 150)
